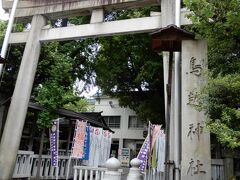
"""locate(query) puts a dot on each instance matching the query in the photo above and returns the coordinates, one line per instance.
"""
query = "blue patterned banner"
(54, 143)
(86, 144)
(143, 154)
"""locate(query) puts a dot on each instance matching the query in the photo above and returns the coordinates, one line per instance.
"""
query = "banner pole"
(57, 172)
(149, 151)
(7, 34)
(57, 168)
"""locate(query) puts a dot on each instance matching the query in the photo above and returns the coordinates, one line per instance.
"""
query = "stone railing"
(49, 172)
(91, 173)
(23, 164)
(27, 164)
(111, 172)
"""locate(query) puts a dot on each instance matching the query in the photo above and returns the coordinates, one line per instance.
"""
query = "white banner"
(109, 144)
(97, 145)
(92, 149)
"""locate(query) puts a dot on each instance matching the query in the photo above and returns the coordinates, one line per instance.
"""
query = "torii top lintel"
(63, 8)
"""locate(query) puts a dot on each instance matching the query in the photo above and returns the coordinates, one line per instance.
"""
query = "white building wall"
(123, 133)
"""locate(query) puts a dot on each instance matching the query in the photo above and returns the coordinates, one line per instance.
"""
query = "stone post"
(112, 172)
(196, 158)
(134, 172)
(18, 108)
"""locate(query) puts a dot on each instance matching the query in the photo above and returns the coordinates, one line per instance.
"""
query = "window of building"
(112, 121)
(134, 122)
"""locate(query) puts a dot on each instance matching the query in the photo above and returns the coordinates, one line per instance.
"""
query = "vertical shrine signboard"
(196, 158)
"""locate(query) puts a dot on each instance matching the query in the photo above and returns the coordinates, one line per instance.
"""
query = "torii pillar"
(10, 141)
(168, 12)
(188, 152)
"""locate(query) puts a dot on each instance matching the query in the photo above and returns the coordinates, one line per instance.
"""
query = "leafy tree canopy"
(2, 30)
(125, 67)
(59, 67)
(14, 56)
(218, 22)
(128, 69)
(60, 64)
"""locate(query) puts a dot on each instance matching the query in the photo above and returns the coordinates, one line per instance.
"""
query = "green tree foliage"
(222, 97)
(60, 64)
(128, 69)
(13, 59)
(125, 68)
(81, 105)
(3, 27)
(55, 78)
(218, 22)
(57, 82)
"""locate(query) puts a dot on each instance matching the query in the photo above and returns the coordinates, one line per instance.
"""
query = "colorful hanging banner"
(54, 133)
(104, 148)
(160, 151)
(86, 144)
(97, 145)
(78, 142)
(143, 153)
(92, 147)
(109, 144)
(156, 129)
(146, 151)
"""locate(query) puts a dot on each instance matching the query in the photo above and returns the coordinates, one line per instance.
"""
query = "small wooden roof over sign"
(169, 38)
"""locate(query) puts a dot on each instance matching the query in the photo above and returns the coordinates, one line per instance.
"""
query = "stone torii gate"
(194, 161)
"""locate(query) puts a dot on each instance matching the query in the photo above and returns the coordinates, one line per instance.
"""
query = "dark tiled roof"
(94, 118)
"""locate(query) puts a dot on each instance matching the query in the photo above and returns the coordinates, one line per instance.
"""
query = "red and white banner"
(78, 141)
(155, 131)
